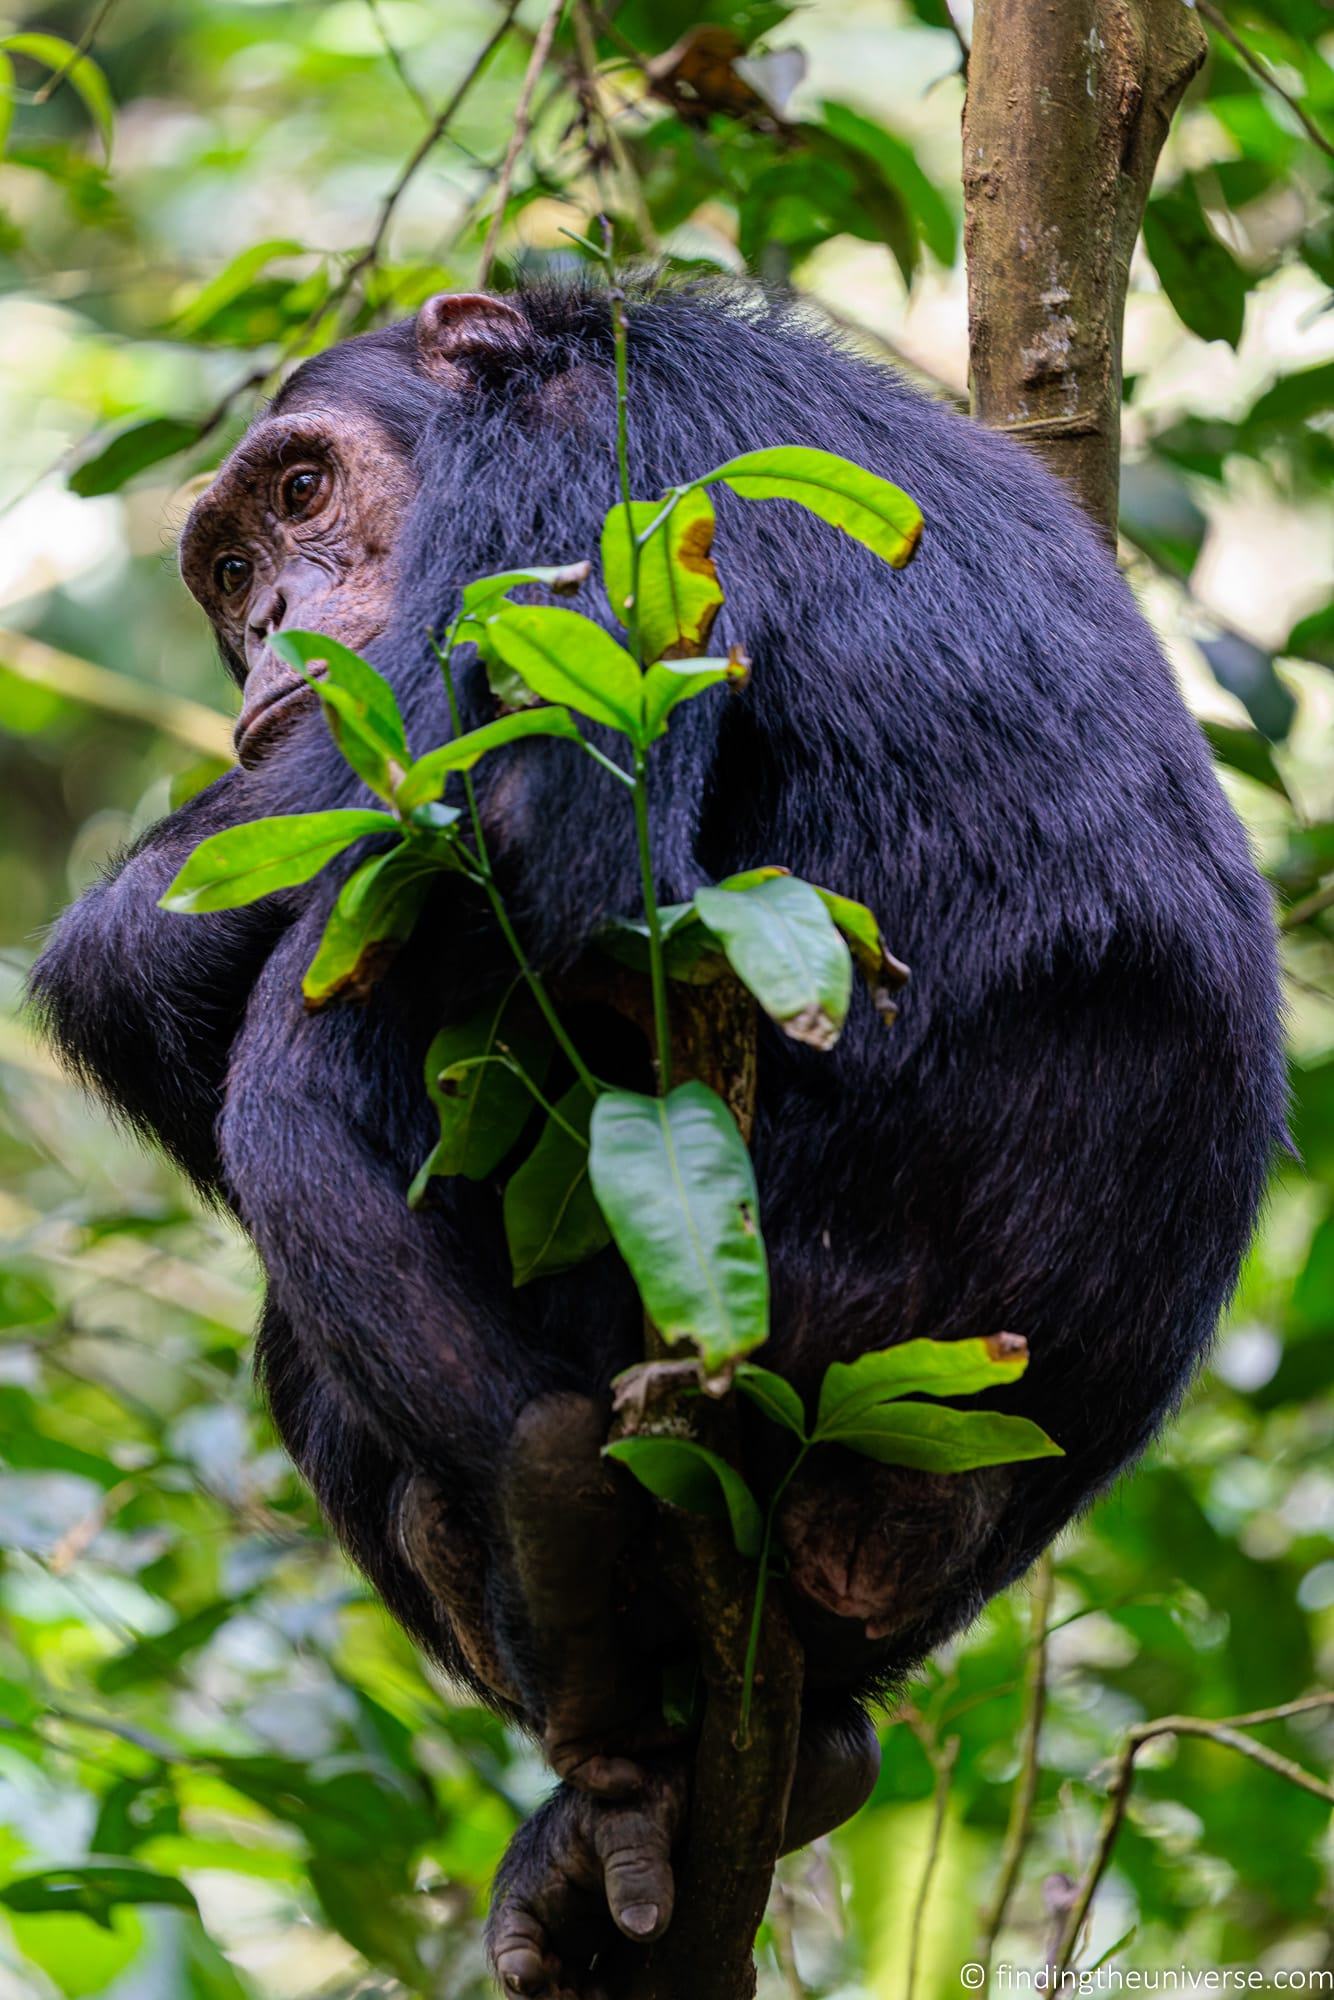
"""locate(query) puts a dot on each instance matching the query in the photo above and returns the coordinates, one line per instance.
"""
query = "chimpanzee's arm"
(143, 1004)
(324, 1121)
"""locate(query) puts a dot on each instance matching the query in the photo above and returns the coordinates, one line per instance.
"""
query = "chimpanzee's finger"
(633, 1842)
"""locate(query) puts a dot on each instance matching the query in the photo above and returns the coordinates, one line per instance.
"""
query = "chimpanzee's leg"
(579, 1535)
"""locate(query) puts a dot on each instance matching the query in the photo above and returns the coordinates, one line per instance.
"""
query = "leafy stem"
(506, 1059)
(486, 876)
(662, 1029)
(761, 1589)
(629, 612)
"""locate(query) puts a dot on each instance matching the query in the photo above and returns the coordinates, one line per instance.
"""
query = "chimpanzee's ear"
(456, 327)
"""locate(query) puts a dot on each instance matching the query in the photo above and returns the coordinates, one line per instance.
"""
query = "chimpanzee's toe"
(581, 1877)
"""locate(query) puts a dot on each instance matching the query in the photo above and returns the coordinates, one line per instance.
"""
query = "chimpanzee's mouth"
(268, 714)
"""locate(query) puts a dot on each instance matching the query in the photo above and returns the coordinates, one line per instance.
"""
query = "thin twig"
(960, 38)
(546, 34)
(1259, 67)
(395, 55)
(627, 172)
(944, 1761)
(1025, 1794)
(1310, 906)
(204, 730)
(1223, 1732)
(75, 56)
(430, 138)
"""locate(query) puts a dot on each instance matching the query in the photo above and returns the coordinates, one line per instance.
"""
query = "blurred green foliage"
(222, 1772)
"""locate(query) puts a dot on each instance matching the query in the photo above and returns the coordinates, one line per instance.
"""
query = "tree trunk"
(1069, 102)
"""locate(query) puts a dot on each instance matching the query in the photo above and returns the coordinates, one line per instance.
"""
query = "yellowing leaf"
(679, 592)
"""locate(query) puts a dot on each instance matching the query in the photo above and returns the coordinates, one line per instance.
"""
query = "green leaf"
(134, 1811)
(343, 1810)
(82, 74)
(849, 497)
(1306, 393)
(487, 596)
(689, 1476)
(669, 682)
(897, 161)
(552, 1221)
(691, 952)
(359, 704)
(676, 1185)
(152, 1658)
(931, 1437)
(884, 974)
(376, 909)
(484, 593)
(782, 943)
(1247, 671)
(1159, 515)
(679, 591)
(1312, 638)
(426, 780)
(94, 1890)
(374, 1906)
(482, 1108)
(1201, 277)
(243, 863)
(566, 658)
(1247, 751)
(772, 1394)
(132, 451)
(918, 1368)
(231, 281)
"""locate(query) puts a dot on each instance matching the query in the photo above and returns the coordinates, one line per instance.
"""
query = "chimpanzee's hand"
(580, 1878)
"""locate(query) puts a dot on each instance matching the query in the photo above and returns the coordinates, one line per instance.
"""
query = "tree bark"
(1069, 102)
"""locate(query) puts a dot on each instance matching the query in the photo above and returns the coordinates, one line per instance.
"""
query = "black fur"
(1066, 1134)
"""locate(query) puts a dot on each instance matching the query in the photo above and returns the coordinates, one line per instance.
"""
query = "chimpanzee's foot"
(569, 1517)
(579, 1878)
(586, 1873)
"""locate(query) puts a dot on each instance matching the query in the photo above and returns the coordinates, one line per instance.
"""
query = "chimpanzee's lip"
(258, 719)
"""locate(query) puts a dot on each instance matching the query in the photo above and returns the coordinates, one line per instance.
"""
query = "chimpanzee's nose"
(268, 612)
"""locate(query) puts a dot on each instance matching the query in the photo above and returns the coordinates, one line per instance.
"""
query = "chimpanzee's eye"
(301, 490)
(231, 573)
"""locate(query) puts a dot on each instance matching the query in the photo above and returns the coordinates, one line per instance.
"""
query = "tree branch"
(546, 34)
(724, 1865)
(943, 1762)
(1020, 1822)
(204, 730)
(1223, 1732)
(1066, 114)
(429, 140)
(1258, 67)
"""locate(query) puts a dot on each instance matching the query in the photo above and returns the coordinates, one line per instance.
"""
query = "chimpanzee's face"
(296, 532)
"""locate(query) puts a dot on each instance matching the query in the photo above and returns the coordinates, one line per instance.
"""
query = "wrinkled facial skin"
(297, 532)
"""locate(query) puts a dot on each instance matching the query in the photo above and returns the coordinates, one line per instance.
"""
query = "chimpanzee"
(1066, 1134)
